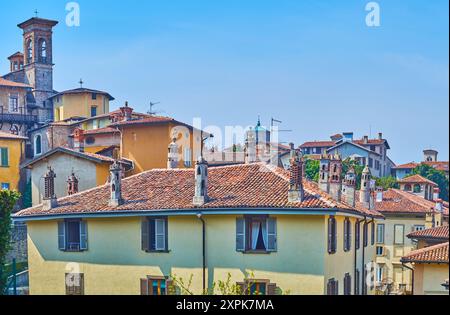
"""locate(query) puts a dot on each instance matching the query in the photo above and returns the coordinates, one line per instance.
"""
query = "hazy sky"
(314, 64)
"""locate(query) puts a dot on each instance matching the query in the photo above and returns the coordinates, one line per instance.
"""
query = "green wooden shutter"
(240, 234)
(4, 157)
(62, 235)
(160, 234)
(83, 235)
(272, 234)
(144, 235)
(144, 286)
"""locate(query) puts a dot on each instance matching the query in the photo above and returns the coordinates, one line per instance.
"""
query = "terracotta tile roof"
(410, 165)
(144, 121)
(100, 131)
(249, 186)
(83, 90)
(416, 179)
(5, 135)
(317, 144)
(440, 166)
(397, 201)
(17, 54)
(370, 142)
(8, 83)
(438, 233)
(437, 254)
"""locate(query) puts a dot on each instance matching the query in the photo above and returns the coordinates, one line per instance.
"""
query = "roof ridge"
(414, 198)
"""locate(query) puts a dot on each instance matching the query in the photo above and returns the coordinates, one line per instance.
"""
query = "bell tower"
(38, 62)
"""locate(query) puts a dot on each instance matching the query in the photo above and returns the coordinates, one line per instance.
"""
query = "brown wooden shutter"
(345, 235)
(80, 287)
(330, 236)
(144, 235)
(144, 286)
(271, 289)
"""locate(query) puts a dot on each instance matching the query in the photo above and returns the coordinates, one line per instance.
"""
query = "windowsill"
(256, 252)
(158, 251)
(4, 166)
(74, 251)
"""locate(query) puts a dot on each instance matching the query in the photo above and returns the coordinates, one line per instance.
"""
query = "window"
(93, 111)
(332, 235)
(379, 273)
(15, 66)
(155, 234)
(417, 228)
(42, 51)
(380, 251)
(347, 235)
(332, 287)
(357, 235)
(4, 162)
(370, 162)
(72, 236)
(372, 233)
(377, 165)
(372, 148)
(37, 145)
(256, 234)
(408, 187)
(417, 188)
(257, 287)
(399, 234)
(347, 284)
(155, 286)
(357, 282)
(380, 234)
(29, 51)
(74, 283)
(365, 234)
(13, 103)
(5, 186)
(94, 96)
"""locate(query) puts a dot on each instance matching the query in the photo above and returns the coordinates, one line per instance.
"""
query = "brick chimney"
(296, 192)
(50, 200)
(365, 192)
(78, 140)
(201, 182)
(172, 161)
(72, 184)
(335, 177)
(324, 173)
(349, 188)
(115, 183)
(126, 112)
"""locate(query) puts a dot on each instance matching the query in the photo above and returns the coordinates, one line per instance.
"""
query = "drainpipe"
(200, 216)
(363, 254)
(412, 277)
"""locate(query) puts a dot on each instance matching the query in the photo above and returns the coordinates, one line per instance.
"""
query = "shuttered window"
(380, 233)
(74, 283)
(72, 235)
(154, 234)
(347, 284)
(357, 282)
(256, 234)
(153, 285)
(399, 234)
(357, 235)
(332, 235)
(365, 234)
(257, 287)
(347, 235)
(372, 233)
(332, 287)
(4, 157)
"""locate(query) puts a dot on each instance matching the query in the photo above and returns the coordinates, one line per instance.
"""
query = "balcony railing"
(17, 117)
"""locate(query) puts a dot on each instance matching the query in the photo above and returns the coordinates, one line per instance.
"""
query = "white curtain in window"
(265, 235)
(255, 233)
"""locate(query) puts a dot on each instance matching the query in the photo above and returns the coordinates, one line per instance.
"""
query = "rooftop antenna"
(151, 111)
(81, 83)
(274, 121)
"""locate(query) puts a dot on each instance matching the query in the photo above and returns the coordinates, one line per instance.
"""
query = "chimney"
(349, 187)
(380, 192)
(380, 136)
(250, 147)
(126, 112)
(201, 182)
(335, 177)
(324, 173)
(72, 184)
(436, 193)
(366, 139)
(50, 200)
(439, 207)
(365, 192)
(172, 161)
(78, 140)
(115, 183)
(296, 192)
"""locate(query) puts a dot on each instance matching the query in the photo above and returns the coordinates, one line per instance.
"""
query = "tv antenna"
(274, 121)
(151, 111)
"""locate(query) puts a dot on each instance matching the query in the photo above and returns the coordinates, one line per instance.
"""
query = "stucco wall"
(114, 262)
(428, 279)
(62, 164)
(11, 173)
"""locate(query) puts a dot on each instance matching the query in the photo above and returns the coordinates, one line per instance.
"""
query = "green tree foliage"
(347, 163)
(312, 168)
(7, 201)
(435, 176)
(387, 182)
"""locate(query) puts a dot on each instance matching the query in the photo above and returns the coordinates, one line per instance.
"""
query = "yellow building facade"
(12, 153)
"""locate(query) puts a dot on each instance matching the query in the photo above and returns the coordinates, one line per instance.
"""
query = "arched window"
(417, 188)
(408, 187)
(43, 51)
(29, 51)
(38, 145)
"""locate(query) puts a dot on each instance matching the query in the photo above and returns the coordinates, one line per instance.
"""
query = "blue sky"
(315, 65)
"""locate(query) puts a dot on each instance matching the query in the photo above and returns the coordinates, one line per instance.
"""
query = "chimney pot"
(366, 139)
(380, 136)
(78, 139)
(49, 201)
(72, 184)
(115, 184)
(126, 112)
(201, 182)
(380, 193)
(296, 192)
